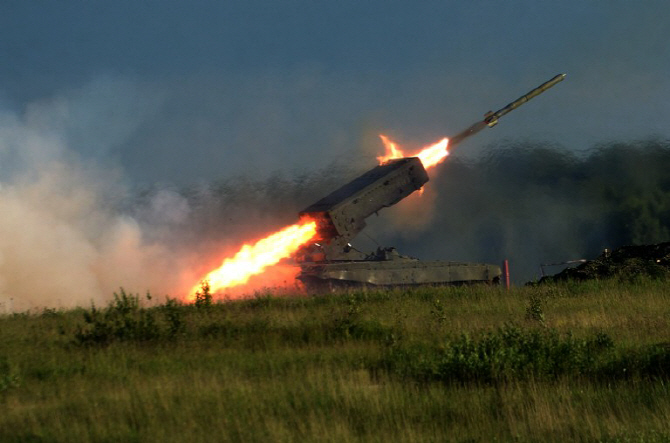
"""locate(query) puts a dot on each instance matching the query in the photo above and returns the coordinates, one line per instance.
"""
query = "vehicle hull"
(397, 273)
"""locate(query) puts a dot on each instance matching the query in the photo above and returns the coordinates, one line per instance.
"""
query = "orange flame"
(253, 259)
(430, 155)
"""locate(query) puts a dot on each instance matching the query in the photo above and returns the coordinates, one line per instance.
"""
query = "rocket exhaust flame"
(436, 153)
(253, 259)
(392, 150)
(430, 155)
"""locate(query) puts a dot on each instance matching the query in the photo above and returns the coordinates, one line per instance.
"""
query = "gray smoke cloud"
(65, 238)
(536, 203)
(214, 113)
(74, 227)
(531, 202)
(98, 189)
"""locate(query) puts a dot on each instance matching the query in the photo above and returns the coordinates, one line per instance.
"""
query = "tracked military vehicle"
(331, 261)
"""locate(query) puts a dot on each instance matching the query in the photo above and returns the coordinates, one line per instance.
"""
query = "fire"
(392, 150)
(253, 259)
(430, 155)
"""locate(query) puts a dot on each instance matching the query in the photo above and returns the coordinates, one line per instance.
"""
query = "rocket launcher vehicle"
(341, 215)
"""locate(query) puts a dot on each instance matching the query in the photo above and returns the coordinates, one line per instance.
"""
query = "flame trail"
(253, 259)
(430, 155)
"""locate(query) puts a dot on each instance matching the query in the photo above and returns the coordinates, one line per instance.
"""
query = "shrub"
(203, 298)
(173, 312)
(8, 376)
(534, 309)
(123, 320)
(508, 353)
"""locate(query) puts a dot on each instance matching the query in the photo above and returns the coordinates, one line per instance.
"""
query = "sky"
(215, 88)
(116, 97)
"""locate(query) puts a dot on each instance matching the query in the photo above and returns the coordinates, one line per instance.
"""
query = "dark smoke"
(226, 213)
(528, 202)
(73, 232)
(539, 203)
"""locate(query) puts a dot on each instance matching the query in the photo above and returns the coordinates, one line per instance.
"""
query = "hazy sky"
(179, 91)
(102, 99)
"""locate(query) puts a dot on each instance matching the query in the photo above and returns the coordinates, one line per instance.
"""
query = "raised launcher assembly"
(340, 216)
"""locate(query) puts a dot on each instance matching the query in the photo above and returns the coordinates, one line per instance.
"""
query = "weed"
(438, 312)
(8, 376)
(353, 306)
(173, 311)
(361, 366)
(50, 313)
(534, 309)
(510, 353)
(123, 320)
(203, 298)
(260, 300)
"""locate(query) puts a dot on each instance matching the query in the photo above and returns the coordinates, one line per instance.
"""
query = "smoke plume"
(530, 202)
(68, 235)
(535, 203)
(74, 228)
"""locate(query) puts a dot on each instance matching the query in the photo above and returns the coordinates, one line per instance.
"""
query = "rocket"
(491, 118)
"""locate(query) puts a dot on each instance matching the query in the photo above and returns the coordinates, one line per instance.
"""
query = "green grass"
(566, 362)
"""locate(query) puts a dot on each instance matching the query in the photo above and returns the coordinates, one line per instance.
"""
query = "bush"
(203, 298)
(123, 320)
(8, 377)
(506, 354)
(534, 309)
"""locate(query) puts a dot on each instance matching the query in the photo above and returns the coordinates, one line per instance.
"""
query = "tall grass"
(565, 362)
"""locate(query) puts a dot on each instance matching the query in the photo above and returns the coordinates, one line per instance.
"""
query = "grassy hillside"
(562, 362)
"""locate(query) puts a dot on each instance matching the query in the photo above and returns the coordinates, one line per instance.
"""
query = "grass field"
(566, 362)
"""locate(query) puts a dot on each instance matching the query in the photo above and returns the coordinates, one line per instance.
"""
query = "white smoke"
(63, 239)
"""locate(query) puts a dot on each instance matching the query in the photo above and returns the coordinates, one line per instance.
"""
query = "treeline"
(529, 202)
